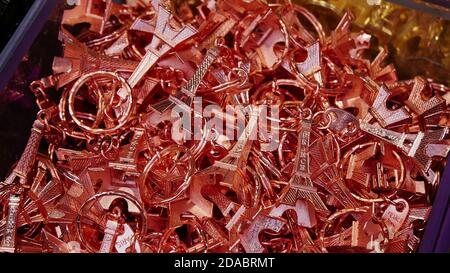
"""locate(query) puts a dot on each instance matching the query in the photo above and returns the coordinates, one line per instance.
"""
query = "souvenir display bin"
(418, 45)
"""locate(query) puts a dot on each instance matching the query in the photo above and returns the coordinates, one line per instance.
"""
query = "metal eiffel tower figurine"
(40, 195)
(300, 186)
(185, 96)
(20, 172)
(226, 206)
(421, 147)
(228, 167)
(79, 60)
(18, 177)
(430, 110)
(9, 236)
(328, 178)
(194, 202)
(261, 222)
(128, 161)
(418, 146)
(385, 116)
(164, 39)
(124, 172)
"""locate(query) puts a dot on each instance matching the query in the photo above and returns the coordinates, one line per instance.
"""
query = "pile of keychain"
(330, 151)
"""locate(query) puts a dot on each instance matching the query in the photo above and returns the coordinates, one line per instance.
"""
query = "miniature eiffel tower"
(18, 178)
(413, 145)
(382, 114)
(421, 147)
(325, 173)
(300, 186)
(164, 39)
(39, 196)
(123, 174)
(430, 110)
(79, 60)
(185, 96)
(261, 222)
(8, 243)
(128, 161)
(229, 166)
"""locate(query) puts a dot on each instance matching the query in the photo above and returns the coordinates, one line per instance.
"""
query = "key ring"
(271, 93)
(366, 147)
(238, 83)
(151, 197)
(97, 198)
(314, 22)
(333, 217)
(191, 220)
(124, 117)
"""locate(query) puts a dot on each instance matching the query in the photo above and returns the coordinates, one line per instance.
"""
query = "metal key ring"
(121, 121)
(383, 198)
(193, 220)
(126, 196)
(187, 159)
(313, 20)
(330, 220)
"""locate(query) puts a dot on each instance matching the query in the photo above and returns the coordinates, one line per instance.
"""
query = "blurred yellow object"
(419, 42)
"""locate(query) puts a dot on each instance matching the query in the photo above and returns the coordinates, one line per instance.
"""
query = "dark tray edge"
(23, 38)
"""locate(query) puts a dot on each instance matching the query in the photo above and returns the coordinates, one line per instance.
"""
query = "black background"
(284, 263)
